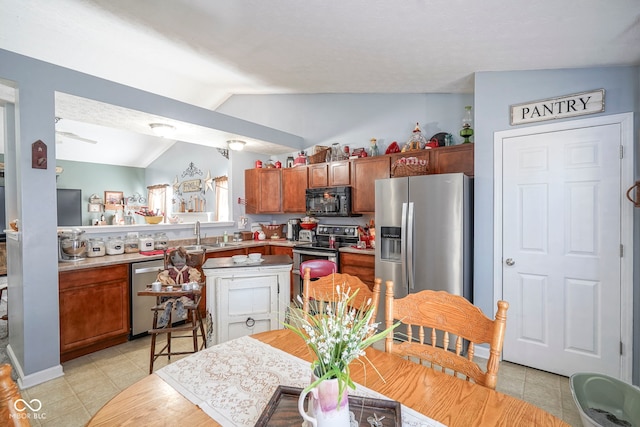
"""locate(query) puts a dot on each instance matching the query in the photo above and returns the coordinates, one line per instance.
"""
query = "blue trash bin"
(605, 401)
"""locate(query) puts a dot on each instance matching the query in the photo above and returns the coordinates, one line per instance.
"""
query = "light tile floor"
(92, 380)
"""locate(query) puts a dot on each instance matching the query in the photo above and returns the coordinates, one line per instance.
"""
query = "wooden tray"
(282, 409)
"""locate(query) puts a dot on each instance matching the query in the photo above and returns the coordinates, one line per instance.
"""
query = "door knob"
(509, 262)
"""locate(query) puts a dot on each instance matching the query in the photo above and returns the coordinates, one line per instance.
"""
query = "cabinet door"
(251, 189)
(359, 265)
(294, 184)
(246, 306)
(458, 158)
(270, 190)
(339, 173)
(363, 177)
(318, 175)
(94, 309)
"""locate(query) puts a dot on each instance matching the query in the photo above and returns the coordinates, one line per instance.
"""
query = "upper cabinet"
(294, 184)
(263, 190)
(334, 174)
(364, 173)
(458, 158)
(270, 190)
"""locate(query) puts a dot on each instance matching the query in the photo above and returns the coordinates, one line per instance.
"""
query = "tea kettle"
(293, 227)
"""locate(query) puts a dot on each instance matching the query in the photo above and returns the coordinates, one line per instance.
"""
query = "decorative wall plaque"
(577, 104)
(39, 155)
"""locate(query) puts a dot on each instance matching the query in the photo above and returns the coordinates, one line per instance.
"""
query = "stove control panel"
(337, 230)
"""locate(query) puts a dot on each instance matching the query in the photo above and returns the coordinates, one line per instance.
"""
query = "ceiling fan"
(71, 135)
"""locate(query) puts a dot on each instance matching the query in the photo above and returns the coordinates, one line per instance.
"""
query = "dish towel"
(232, 382)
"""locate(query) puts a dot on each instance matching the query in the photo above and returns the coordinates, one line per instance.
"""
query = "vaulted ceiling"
(201, 51)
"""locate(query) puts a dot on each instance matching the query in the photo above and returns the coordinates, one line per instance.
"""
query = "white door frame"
(626, 217)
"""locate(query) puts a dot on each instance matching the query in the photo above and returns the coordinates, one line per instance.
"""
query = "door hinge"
(621, 352)
(621, 251)
(621, 152)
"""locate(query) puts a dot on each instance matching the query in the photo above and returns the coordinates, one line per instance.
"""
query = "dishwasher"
(142, 275)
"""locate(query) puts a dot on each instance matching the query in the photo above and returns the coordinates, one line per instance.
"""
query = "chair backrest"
(448, 314)
(323, 291)
(319, 267)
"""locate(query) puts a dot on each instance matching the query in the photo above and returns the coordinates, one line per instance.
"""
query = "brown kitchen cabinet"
(457, 158)
(364, 173)
(359, 265)
(333, 174)
(294, 184)
(94, 309)
(263, 190)
(285, 250)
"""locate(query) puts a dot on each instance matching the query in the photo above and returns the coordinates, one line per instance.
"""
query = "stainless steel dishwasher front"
(142, 274)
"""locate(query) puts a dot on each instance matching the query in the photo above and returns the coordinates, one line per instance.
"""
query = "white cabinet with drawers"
(245, 299)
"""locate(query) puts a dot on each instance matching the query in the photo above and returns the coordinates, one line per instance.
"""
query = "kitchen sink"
(208, 246)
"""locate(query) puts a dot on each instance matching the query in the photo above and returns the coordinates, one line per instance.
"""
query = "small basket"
(319, 157)
(402, 167)
(272, 230)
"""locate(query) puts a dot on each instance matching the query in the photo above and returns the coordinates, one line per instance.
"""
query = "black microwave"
(329, 201)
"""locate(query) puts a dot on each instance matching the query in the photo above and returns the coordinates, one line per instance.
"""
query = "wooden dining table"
(441, 397)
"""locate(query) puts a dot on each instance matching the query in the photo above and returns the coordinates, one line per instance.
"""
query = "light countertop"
(108, 260)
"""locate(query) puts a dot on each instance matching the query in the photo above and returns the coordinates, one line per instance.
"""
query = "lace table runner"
(232, 382)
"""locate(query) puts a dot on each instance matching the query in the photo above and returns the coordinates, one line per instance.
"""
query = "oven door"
(301, 255)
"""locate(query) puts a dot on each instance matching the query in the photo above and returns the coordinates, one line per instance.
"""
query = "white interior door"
(561, 249)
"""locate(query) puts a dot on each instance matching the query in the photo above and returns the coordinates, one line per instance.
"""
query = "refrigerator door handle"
(403, 248)
(410, 224)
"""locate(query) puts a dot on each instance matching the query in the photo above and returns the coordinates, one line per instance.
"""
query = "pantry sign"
(577, 104)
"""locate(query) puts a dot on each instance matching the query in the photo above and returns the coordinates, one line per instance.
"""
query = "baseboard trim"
(26, 381)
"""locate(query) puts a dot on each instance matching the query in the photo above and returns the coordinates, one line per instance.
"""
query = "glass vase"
(467, 130)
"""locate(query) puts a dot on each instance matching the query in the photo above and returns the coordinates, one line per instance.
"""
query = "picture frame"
(113, 200)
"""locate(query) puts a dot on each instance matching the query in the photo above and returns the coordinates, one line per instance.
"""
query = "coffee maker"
(293, 229)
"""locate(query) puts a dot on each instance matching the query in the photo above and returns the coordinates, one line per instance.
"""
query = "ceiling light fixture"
(236, 144)
(162, 129)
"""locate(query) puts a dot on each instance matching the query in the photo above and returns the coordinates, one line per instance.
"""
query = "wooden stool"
(194, 323)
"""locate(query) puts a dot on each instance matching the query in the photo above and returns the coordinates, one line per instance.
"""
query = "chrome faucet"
(196, 231)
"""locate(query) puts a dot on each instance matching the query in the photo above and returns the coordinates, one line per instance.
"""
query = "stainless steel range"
(320, 246)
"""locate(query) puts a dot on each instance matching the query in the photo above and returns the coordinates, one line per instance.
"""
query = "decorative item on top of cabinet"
(417, 141)
(263, 190)
(364, 173)
(294, 184)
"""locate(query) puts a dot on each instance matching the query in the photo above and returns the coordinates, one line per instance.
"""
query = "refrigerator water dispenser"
(390, 243)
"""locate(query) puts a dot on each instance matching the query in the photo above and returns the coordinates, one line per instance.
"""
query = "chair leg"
(195, 329)
(153, 342)
(202, 330)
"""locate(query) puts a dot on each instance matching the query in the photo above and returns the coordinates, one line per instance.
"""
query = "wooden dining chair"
(430, 318)
(323, 291)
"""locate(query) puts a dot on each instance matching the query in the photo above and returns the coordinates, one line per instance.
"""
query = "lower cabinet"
(360, 265)
(94, 309)
(246, 300)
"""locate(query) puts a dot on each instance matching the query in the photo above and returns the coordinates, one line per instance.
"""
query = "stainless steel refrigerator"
(424, 224)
